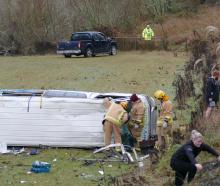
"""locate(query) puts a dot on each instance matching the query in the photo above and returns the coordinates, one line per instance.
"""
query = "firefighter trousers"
(164, 137)
(110, 128)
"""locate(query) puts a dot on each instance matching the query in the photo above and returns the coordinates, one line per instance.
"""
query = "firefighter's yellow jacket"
(166, 113)
(116, 114)
(137, 113)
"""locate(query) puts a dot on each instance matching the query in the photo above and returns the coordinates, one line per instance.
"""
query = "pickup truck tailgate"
(65, 47)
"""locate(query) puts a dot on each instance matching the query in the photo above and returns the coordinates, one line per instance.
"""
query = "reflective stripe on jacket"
(116, 114)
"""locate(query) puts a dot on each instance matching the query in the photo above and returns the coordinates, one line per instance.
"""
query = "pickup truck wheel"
(113, 50)
(67, 55)
(88, 52)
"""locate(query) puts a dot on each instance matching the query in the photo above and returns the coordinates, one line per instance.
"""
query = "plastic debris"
(17, 151)
(126, 156)
(101, 172)
(3, 148)
(40, 167)
(87, 175)
(140, 164)
(33, 152)
(23, 181)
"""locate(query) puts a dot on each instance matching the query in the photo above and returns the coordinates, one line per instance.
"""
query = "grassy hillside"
(178, 27)
(141, 72)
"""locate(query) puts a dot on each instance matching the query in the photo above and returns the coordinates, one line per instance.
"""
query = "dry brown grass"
(179, 28)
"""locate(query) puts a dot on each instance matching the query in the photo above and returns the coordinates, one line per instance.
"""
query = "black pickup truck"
(87, 44)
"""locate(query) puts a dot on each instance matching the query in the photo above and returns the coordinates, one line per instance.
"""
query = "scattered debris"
(34, 152)
(87, 176)
(23, 181)
(140, 164)
(5, 150)
(113, 156)
(91, 161)
(101, 172)
(40, 167)
(125, 156)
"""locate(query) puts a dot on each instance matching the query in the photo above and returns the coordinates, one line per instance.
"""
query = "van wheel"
(113, 50)
(67, 55)
(88, 52)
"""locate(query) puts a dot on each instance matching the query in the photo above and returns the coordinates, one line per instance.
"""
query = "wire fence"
(138, 43)
(124, 44)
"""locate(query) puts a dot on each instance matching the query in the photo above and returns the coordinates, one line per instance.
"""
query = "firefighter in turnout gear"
(114, 118)
(165, 120)
(136, 121)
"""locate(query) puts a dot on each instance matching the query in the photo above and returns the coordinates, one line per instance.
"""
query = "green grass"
(140, 72)
(64, 171)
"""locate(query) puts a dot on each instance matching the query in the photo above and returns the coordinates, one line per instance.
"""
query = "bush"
(44, 47)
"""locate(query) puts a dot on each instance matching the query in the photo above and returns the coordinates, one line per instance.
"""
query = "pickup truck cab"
(87, 44)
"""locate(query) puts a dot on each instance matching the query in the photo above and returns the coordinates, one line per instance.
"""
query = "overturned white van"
(60, 118)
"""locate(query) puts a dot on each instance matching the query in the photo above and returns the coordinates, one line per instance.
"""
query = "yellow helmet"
(124, 104)
(159, 94)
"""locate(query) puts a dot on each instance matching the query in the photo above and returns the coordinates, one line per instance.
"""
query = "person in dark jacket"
(183, 161)
(212, 92)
